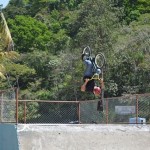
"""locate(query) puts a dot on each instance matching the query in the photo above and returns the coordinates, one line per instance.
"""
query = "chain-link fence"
(8, 105)
(120, 110)
(47, 111)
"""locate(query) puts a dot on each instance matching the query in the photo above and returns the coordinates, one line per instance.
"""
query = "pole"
(16, 105)
(2, 105)
(137, 109)
(102, 96)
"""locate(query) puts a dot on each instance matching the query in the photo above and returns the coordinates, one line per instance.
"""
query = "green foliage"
(18, 75)
(24, 30)
(19, 70)
(111, 89)
(43, 62)
(31, 111)
(44, 95)
(130, 10)
(143, 6)
(6, 57)
(51, 34)
(90, 26)
(131, 56)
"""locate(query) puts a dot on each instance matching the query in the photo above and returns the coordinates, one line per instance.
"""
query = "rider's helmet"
(97, 90)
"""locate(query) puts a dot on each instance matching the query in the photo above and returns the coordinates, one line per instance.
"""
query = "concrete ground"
(83, 137)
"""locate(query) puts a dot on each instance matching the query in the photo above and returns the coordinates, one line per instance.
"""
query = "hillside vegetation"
(49, 36)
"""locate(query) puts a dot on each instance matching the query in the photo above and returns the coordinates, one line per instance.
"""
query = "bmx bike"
(98, 61)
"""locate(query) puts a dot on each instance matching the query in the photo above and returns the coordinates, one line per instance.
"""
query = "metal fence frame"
(48, 102)
(86, 105)
(80, 103)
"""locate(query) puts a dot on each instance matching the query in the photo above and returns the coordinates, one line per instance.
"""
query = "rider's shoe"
(84, 57)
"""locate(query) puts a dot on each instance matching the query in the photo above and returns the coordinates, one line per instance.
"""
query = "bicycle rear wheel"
(100, 60)
(87, 51)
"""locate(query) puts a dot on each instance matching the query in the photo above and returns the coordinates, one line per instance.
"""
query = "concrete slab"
(83, 137)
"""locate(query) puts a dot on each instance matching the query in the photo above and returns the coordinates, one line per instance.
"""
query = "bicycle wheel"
(87, 51)
(100, 60)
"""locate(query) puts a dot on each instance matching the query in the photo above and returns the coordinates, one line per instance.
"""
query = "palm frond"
(2, 70)
(6, 42)
(8, 55)
(2, 76)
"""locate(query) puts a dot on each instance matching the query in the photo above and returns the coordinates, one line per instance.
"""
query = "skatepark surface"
(83, 137)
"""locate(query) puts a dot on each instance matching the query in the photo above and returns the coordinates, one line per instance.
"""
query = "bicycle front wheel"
(87, 51)
(100, 60)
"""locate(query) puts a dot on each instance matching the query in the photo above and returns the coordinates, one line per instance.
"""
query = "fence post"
(16, 105)
(78, 111)
(137, 108)
(2, 105)
(25, 112)
(106, 110)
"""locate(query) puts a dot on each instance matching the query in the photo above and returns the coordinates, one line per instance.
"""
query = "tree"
(19, 75)
(24, 30)
(93, 26)
(131, 9)
(6, 45)
(129, 63)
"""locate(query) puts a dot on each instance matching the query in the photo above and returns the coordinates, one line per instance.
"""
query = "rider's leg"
(84, 57)
(89, 68)
(97, 70)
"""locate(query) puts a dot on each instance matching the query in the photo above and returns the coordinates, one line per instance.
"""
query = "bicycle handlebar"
(95, 77)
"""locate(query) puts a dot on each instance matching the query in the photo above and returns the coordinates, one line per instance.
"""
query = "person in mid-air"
(89, 84)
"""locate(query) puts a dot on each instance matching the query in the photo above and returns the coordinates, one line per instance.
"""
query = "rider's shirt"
(90, 85)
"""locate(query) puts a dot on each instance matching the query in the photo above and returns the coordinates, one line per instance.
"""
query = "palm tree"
(6, 44)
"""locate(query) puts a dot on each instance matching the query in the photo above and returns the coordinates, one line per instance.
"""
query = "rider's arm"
(102, 83)
(83, 87)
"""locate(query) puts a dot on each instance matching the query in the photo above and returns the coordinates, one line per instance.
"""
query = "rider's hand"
(101, 80)
(83, 87)
(87, 80)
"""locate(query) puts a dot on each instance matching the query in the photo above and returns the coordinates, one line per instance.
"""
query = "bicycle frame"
(95, 77)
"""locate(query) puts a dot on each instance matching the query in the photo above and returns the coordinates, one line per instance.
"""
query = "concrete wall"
(84, 137)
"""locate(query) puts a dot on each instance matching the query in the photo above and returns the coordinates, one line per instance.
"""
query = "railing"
(116, 110)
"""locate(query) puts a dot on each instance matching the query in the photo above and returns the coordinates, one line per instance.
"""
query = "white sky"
(4, 2)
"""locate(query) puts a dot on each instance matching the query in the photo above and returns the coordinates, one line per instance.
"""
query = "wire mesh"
(90, 114)
(48, 112)
(121, 109)
(144, 107)
(116, 110)
(7, 106)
